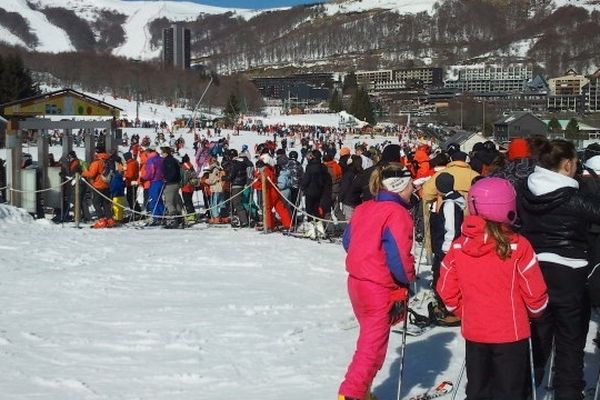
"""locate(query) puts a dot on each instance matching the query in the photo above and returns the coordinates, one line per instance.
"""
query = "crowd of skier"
(515, 239)
(521, 227)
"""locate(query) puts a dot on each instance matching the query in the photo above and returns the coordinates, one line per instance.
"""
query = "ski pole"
(533, 388)
(550, 384)
(402, 351)
(460, 376)
(597, 389)
(418, 269)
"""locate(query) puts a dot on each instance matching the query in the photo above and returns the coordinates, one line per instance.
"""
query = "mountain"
(338, 35)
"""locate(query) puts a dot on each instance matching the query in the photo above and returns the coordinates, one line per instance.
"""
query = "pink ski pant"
(370, 303)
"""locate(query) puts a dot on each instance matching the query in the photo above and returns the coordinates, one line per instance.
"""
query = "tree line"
(120, 77)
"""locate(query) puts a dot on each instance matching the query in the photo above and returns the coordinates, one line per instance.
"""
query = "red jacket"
(378, 241)
(494, 297)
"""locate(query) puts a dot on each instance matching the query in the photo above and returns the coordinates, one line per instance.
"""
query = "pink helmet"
(493, 199)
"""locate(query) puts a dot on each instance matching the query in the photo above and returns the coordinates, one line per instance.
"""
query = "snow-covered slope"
(51, 38)
(401, 6)
(139, 15)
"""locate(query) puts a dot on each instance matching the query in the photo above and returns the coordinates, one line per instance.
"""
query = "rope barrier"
(40, 190)
(300, 210)
(125, 208)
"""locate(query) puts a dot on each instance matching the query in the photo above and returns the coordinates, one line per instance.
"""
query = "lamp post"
(137, 90)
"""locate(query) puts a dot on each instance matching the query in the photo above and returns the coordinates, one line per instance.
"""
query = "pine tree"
(15, 80)
(350, 84)
(232, 109)
(361, 106)
(572, 130)
(554, 126)
(335, 103)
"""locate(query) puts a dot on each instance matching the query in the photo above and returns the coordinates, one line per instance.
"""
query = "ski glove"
(398, 305)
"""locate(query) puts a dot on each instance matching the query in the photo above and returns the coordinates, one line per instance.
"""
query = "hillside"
(338, 35)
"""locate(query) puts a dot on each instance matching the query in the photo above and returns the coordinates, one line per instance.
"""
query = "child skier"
(445, 222)
(380, 265)
(490, 278)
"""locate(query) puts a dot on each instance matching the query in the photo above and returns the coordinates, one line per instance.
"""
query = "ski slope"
(203, 313)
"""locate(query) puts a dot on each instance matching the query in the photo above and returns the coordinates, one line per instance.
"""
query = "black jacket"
(556, 221)
(172, 170)
(347, 196)
(360, 185)
(316, 183)
(238, 174)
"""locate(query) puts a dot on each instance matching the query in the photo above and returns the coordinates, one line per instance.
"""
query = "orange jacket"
(132, 173)
(334, 168)
(142, 171)
(94, 173)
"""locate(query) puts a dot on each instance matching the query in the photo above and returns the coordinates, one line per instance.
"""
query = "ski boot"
(439, 316)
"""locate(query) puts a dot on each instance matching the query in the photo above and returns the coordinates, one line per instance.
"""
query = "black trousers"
(312, 205)
(132, 198)
(497, 371)
(238, 206)
(101, 204)
(188, 202)
(566, 320)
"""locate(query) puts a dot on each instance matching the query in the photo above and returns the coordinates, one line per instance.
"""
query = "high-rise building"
(176, 47)
(491, 78)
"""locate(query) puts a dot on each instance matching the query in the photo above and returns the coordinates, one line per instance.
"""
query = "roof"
(28, 105)
(513, 117)
(459, 137)
(564, 122)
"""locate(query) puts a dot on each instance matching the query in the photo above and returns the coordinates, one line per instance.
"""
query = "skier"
(445, 221)
(556, 216)
(380, 268)
(102, 190)
(490, 261)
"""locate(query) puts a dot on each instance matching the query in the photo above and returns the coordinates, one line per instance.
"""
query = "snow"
(400, 6)
(52, 39)
(206, 313)
(8, 37)
(139, 15)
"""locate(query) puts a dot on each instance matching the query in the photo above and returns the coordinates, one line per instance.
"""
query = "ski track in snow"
(191, 314)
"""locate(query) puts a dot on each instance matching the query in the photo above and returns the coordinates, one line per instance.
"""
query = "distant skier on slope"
(380, 268)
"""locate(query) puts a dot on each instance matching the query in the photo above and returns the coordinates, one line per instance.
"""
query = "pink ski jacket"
(379, 240)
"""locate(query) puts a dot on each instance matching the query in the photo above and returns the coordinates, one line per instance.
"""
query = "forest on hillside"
(306, 37)
(103, 73)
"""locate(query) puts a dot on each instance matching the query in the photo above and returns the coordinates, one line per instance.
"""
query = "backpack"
(189, 177)
(108, 171)
(284, 180)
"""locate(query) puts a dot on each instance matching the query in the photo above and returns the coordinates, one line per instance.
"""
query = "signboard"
(64, 104)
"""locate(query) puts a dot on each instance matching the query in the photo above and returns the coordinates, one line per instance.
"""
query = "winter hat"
(345, 151)
(127, 156)
(317, 155)
(444, 183)
(396, 181)
(459, 156)
(593, 163)
(267, 159)
(391, 153)
(518, 148)
(452, 148)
